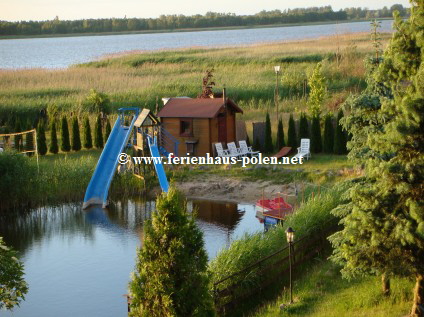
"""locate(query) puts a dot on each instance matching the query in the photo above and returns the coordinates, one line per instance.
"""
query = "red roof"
(195, 108)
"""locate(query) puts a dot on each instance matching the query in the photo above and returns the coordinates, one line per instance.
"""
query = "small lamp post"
(276, 95)
(290, 239)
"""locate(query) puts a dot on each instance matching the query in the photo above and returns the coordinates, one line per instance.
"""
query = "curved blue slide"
(160, 171)
(98, 188)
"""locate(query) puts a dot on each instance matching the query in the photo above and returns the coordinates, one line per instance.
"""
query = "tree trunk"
(418, 305)
(385, 284)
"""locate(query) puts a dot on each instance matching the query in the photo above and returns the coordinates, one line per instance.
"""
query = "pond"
(78, 263)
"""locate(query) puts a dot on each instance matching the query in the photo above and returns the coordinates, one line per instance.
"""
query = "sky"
(16, 10)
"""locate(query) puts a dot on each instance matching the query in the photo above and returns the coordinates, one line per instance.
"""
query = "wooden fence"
(238, 290)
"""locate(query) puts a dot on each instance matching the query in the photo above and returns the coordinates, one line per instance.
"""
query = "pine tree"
(303, 126)
(76, 138)
(107, 130)
(340, 136)
(291, 133)
(88, 141)
(328, 143)
(54, 147)
(384, 216)
(170, 277)
(98, 135)
(268, 147)
(316, 139)
(41, 139)
(280, 135)
(65, 142)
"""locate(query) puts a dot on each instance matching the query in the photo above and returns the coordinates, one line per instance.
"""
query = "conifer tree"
(303, 127)
(18, 138)
(41, 139)
(65, 142)
(328, 142)
(88, 140)
(340, 136)
(54, 147)
(280, 135)
(291, 133)
(107, 130)
(76, 137)
(268, 147)
(317, 91)
(170, 277)
(384, 216)
(98, 135)
(316, 139)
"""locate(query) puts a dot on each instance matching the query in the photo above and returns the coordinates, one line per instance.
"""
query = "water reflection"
(88, 255)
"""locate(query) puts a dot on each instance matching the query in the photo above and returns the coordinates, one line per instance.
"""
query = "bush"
(96, 102)
(98, 135)
(340, 136)
(170, 277)
(280, 135)
(303, 127)
(107, 130)
(328, 145)
(76, 138)
(65, 142)
(41, 139)
(268, 147)
(316, 140)
(54, 147)
(88, 141)
(292, 138)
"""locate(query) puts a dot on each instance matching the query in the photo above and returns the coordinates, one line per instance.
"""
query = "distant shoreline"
(11, 37)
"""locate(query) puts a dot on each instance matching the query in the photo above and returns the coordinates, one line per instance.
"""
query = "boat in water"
(272, 211)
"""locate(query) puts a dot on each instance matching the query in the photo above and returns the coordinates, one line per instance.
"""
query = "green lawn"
(322, 292)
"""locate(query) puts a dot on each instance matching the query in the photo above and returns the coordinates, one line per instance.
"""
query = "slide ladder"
(160, 171)
(98, 188)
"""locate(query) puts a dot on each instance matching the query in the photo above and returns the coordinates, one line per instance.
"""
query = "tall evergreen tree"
(268, 147)
(65, 142)
(328, 142)
(303, 126)
(18, 138)
(76, 138)
(318, 91)
(54, 147)
(98, 135)
(280, 135)
(340, 135)
(41, 139)
(108, 129)
(170, 277)
(88, 140)
(291, 133)
(316, 139)
(384, 217)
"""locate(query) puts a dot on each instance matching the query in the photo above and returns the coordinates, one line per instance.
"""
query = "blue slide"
(98, 188)
(160, 171)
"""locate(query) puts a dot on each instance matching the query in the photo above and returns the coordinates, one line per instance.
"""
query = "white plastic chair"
(304, 149)
(220, 150)
(234, 151)
(247, 150)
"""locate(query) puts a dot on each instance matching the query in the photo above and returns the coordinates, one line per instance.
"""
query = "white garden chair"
(247, 150)
(304, 149)
(234, 151)
(220, 150)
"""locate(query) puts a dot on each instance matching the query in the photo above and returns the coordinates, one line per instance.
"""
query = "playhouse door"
(222, 128)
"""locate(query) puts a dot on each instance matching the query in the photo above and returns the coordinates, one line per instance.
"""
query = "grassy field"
(143, 78)
(322, 292)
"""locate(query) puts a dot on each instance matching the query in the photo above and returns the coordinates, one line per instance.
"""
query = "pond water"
(61, 52)
(78, 263)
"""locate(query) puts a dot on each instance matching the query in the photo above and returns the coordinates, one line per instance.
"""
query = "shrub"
(76, 138)
(316, 140)
(107, 130)
(268, 147)
(340, 136)
(280, 135)
(54, 147)
(88, 141)
(303, 127)
(98, 135)
(328, 144)
(292, 138)
(96, 102)
(65, 142)
(41, 139)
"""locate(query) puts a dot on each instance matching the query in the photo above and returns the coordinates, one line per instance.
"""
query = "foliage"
(340, 135)
(41, 139)
(291, 133)
(54, 147)
(280, 135)
(170, 277)
(303, 126)
(18, 138)
(316, 139)
(76, 138)
(98, 135)
(88, 141)
(328, 142)
(318, 91)
(384, 218)
(12, 284)
(108, 129)
(96, 102)
(64, 130)
(268, 146)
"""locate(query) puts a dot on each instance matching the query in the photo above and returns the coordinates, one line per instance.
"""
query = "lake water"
(78, 263)
(61, 52)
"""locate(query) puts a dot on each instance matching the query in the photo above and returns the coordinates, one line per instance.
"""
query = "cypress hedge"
(340, 136)
(268, 147)
(280, 135)
(98, 135)
(88, 141)
(76, 137)
(316, 140)
(291, 133)
(328, 142)
(41, 139)
(303, 126)
(108, 129)
(54, 147)
(65, 142)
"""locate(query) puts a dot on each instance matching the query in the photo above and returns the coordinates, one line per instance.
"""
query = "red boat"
(276, 208)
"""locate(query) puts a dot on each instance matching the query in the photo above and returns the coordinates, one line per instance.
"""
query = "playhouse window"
(186, 128)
